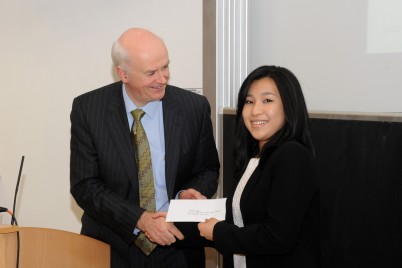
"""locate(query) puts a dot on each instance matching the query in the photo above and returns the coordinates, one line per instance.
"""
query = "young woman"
(272, 215)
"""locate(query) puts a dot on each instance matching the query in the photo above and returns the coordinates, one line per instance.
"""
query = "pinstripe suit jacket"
(103, 172)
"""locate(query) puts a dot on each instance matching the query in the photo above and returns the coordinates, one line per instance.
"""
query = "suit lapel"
(119, 130)
(173, 129)
(247, 191)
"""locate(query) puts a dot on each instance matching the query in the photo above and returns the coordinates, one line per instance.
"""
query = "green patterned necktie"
(145, 176)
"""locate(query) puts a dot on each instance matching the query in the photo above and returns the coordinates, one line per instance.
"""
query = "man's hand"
(191, 194)
(207, 228)
(157, 230)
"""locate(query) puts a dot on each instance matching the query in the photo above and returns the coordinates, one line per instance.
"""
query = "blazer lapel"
(247, 191)
(120, 133)
(173, 130)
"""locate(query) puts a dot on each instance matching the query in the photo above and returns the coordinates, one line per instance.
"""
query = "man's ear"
(122, 74)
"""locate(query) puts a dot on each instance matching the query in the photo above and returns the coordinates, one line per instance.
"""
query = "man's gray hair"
(119, 55)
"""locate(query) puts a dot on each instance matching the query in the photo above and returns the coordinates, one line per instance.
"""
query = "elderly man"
(136, 144)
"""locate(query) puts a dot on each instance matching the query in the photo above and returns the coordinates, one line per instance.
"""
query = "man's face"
(147, 75)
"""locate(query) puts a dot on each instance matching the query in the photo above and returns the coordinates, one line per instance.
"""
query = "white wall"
(346, 54)
(52, 51)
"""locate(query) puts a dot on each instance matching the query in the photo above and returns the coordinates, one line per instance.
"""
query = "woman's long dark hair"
(297, 121)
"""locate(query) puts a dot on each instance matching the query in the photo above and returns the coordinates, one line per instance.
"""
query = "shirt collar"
(150, 109)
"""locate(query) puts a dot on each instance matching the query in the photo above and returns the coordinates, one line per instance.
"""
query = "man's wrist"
(178, 194)
(140, 223)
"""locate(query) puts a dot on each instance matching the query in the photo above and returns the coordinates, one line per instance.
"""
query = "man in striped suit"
(103, 171)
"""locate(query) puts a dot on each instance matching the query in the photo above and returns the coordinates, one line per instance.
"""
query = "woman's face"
(263, 112)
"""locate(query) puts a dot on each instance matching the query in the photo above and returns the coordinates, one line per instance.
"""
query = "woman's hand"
(207, 228)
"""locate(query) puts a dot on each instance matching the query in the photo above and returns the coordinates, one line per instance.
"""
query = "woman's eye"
(248, 101)
(268, 100)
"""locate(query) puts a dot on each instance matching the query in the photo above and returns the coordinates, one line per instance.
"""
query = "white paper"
(196, 210)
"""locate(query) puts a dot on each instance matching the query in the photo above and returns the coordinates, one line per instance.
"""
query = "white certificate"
(196, 210)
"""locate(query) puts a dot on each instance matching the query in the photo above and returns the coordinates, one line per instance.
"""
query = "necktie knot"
(137, 114)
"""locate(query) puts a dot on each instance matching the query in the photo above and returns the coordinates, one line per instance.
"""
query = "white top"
(239, 260)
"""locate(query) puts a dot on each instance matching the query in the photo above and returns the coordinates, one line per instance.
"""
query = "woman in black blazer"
(272, 214)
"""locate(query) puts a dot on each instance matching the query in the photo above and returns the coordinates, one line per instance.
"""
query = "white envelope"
(196, 210)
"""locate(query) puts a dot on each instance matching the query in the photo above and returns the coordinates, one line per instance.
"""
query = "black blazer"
(103, 171)
(280, 209)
